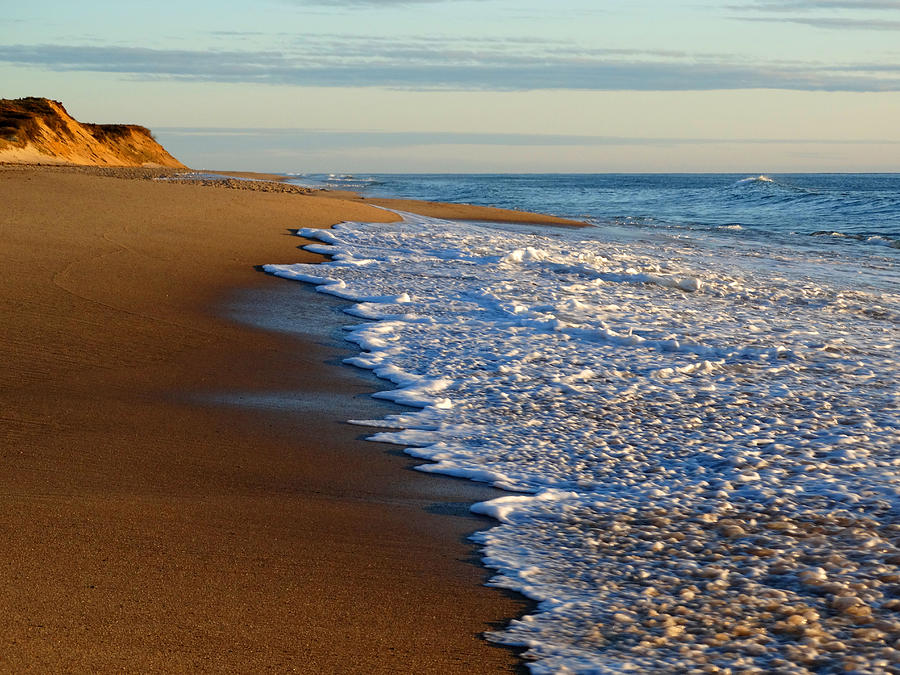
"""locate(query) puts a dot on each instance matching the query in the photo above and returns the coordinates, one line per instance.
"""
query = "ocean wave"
(702, 447)
(762, 178)
(334, 181)
(874, 239)
(350, 178)
(767, 207)
(769, 189)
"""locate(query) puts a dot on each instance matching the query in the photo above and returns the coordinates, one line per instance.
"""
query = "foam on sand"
(706, 451)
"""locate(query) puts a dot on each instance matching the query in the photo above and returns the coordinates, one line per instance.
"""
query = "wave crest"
(761, 178)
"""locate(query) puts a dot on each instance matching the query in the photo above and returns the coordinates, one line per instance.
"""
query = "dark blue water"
(853, 219)
(859, 206)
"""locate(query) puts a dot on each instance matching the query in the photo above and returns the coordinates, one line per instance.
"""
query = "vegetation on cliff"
(39, 130)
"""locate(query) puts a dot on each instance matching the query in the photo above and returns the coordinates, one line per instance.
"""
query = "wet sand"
(179, 489)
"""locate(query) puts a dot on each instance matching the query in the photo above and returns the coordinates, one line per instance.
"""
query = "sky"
(476, 85)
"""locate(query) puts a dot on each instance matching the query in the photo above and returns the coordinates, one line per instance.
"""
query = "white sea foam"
(706, 452)
(762, 178)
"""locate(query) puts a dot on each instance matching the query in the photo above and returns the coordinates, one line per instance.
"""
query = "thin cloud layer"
(319, 138)
(800, 5)
(834, 23)
(371, 3)
(879, 15)
(359, 62)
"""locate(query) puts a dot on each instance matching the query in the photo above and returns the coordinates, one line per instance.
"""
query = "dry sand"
(149, 526)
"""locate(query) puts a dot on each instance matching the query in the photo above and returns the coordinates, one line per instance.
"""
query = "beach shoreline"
(152, 526)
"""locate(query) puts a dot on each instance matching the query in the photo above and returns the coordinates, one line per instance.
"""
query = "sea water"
(693, 403)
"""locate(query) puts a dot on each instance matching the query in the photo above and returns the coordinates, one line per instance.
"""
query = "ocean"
(693, 403)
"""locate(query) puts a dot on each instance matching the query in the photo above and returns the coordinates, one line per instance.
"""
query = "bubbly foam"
(706, 449)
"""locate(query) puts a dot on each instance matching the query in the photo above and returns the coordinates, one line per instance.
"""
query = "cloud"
(834, 23)
(837, 17)
(369, 3)
(811, 5)
(324, 138)
(454, 65)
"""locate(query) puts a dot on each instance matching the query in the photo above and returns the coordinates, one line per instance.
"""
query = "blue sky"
(477, 85)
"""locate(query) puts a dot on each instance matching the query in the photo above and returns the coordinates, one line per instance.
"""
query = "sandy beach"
(180, 490)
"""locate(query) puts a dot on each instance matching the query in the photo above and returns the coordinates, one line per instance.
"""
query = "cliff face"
(38, 130)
